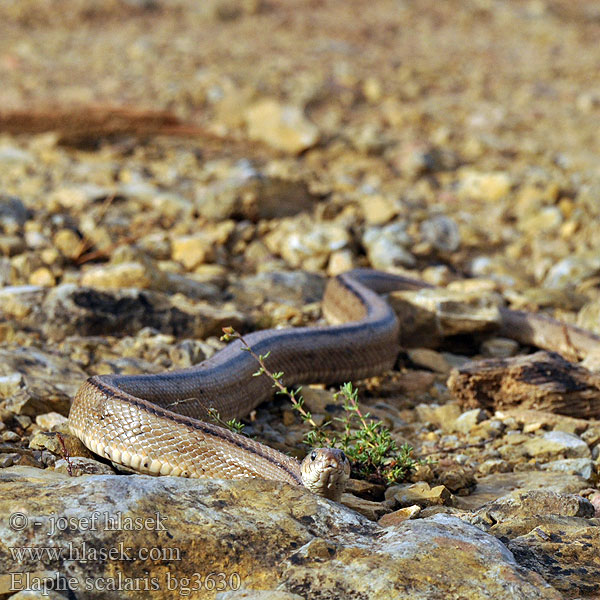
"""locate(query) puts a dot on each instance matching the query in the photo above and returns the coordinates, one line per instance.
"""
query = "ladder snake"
(157, 423)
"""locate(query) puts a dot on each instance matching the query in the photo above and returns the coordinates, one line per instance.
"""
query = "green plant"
(367, 443)
(232, 424)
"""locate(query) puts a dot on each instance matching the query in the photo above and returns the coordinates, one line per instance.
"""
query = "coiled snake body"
(156, 423)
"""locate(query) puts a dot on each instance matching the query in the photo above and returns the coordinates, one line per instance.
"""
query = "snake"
(159, 423)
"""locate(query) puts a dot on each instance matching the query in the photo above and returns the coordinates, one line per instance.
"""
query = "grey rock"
(442, 233)
(42, 381)
(554, 444)
(13, 213)
(247, 194)
(297, 288)
(304, 243)
(76, 466)
(532, 503)
(564, 551)
(387, 247)
(495, 485)
(571, 271)
(261, 534)
(584, 467)
(72, 310)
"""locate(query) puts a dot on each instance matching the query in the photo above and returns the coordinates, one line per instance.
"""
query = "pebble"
(399, 516)
(51, 420)
(42, 277)
(13, 213)
(430, 359)
(67, 242)
(442, 233)
(557, 443)
(498, 347)
(307, 245)
(468, 420)
(584, 467)
(419, 494)
(9, 459)
(116, 277)
(283, 127)
(377, 209)
(76, 466)
(192, 251)
(387, 247)
(571, 271)
(491, 187)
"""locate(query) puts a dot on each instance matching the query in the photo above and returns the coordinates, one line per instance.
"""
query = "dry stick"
(65, 454)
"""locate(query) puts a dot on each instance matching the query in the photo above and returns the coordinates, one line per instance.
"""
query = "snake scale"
(157, 423)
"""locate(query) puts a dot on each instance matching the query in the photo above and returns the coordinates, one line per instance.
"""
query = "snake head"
(325, 472)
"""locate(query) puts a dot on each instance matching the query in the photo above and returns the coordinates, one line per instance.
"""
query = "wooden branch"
(542, 381)
(82, 124)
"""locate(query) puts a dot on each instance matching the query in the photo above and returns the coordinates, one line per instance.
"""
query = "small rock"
(9, 459)
(499, 347)
(283, 127)
(377, 209)
(584, 467)
(553, 444)
(431, 314)
(304, 243)
(48, 421)
(372, 510)
(57, 443)
(443, 416)
(13, 213)
(365, 489)
(466, 422)
(124, 275)
(192, 250)
(340, 261)
(571, 271)
(68, 243)
(418, 493)
(490, 187)
(76, 466)
(42, 277)
(589, 316)
(533, 503)
(494, 465)
(430, 359)
(387, 246)
(442, 233)
(10, 384)
(399, 516)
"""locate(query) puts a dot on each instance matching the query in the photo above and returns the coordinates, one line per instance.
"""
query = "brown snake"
(152, 423)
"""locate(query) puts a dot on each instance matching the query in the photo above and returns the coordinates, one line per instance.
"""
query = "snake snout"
(325, 472)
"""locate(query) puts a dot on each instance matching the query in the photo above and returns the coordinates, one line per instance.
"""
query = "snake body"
(157, 423)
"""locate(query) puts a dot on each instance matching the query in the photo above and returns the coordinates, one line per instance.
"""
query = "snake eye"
(313, 455)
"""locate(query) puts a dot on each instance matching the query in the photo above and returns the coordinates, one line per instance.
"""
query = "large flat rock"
(143, 537)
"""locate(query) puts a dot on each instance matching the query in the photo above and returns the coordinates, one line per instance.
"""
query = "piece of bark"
(542, 381)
